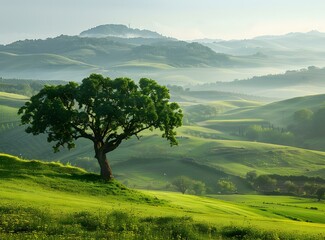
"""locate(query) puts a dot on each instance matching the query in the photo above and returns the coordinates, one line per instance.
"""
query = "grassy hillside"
(52, 201)
(209, 160)
(9, 102)
(12, 100)
(279, 113)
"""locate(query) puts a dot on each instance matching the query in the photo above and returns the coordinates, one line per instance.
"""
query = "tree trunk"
(105, 169)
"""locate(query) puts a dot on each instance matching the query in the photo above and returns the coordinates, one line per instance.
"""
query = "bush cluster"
(289, 185)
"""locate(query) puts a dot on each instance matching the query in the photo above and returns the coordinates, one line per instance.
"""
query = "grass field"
(52, 201)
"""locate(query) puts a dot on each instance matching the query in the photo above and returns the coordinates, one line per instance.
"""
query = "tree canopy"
(102, 110)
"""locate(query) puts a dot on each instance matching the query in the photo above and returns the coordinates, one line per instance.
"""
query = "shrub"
(226, 186)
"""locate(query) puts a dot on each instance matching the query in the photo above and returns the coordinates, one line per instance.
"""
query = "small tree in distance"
(320, 193)
(102, 110)
(182, 183)
(226, 186)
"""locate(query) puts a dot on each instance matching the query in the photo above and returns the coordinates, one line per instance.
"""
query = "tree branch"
(82, 133)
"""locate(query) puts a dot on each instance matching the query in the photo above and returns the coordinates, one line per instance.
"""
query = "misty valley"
(122, 133)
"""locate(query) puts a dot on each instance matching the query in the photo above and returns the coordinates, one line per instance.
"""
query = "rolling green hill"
(279, 113)
(53, 201)
(207, 153)
(9, 103)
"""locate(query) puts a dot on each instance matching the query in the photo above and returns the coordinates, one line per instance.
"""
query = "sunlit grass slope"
(52, 201)
(279, 112)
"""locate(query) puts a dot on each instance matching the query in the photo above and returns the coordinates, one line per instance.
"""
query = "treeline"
(308, 124)
(270, 134)
(287, 185)
(25, 87)
(188, 185)
(308, 75)
(305, 125)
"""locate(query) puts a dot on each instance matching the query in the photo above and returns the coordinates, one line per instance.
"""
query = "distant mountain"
(206, 40)
(65, 53)
(119, 30)
(311, 41)
(118, 50)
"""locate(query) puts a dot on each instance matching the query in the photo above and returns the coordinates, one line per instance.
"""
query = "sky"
(182, 19)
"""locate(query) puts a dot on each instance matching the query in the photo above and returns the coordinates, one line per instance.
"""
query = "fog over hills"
(117, 50)
(292, 83)
(311, 41)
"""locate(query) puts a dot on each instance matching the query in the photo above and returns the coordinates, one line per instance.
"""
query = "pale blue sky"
(183, 19)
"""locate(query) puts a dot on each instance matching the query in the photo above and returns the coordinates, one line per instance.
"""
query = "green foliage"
(198, 187)
(302, 123)
(270, 135)
(310, 188)
(103, 111)
(200, 112)
(25, 222)
(251, 176)
(320, 193)
(182, 183)
(290, 186)
(185, 184)
(32, 223)
(104, 106)
(318, 123)
(265, 183)
(226, 186)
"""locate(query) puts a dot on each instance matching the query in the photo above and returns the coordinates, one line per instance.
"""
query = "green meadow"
(55, 201)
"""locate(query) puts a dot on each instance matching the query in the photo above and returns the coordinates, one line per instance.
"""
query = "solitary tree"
(182, 183)
(320, 193)
(102, 110)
